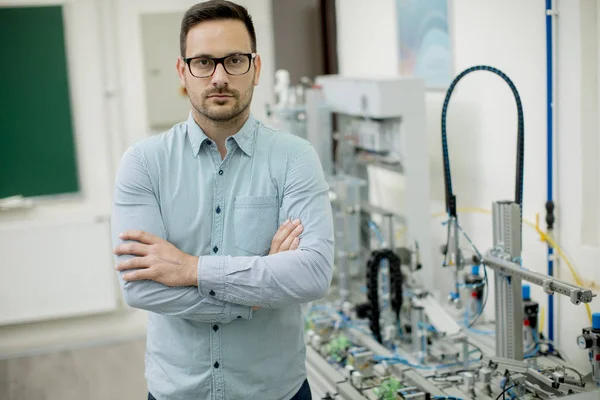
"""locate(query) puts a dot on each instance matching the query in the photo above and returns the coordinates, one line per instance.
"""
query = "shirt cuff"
(211, 283)
(211, 276)
(237, 311)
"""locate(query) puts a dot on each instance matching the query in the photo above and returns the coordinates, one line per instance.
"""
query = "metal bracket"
(547, 285)
(551, 285)
(506, 364)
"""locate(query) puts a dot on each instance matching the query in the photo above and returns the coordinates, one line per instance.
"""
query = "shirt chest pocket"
(255, 222)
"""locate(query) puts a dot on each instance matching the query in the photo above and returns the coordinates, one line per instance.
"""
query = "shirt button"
(216, 364)
(212, 292)
(215, 249)
(218, 210)
(220, 172)
(215, 328)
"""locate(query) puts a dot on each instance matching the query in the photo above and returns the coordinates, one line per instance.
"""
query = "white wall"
(482, 121)
(106, 66)
(577, 132)
(165, 100)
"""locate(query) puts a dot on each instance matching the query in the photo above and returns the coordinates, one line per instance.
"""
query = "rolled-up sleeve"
(289, 277)
(135, 207)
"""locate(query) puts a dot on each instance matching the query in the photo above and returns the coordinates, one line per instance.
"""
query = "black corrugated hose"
(450, 197)
(395, 274)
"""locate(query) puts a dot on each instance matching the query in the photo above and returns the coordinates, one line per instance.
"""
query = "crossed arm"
(160, 261)
(158, 277)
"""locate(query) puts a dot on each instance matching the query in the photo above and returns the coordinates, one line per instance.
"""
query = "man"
(195, 225)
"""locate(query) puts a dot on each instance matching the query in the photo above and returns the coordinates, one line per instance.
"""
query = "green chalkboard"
(37, 151)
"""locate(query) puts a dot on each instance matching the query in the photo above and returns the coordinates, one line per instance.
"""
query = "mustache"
(221, 92)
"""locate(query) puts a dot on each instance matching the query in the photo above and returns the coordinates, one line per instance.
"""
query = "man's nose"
(220, 77)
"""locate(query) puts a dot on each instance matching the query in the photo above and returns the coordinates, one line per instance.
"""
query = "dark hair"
(215, 10)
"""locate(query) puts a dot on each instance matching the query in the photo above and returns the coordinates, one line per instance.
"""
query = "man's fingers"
(287, 221)
(295, 243)
(133, 248)
(134, 263)
(280, 235)
(283, 233)
(288, 228)
(139, 275)
(287, 243)
(140, 236)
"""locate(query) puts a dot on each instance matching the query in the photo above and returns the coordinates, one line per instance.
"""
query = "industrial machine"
(590, 340)
(384, 332)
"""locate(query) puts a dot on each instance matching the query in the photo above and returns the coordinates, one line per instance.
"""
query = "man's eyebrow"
(205, 55)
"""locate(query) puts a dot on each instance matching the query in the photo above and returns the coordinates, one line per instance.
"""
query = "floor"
(108, 372)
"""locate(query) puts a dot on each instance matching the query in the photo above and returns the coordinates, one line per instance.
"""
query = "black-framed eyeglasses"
(235, 64)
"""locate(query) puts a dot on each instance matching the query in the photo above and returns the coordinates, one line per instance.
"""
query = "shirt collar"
(245, 137)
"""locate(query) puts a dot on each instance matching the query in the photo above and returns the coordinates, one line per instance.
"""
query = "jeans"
(302, 394)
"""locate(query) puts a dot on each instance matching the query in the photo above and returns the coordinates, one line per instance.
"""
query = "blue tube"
(377, 231)
(549, 99)
(536, 349)
(446, 398)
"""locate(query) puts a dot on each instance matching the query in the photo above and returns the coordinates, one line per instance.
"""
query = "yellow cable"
(543, 237)
(541, 322)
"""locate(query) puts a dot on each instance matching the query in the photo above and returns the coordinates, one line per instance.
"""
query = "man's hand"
(286, 238)
(157, 260)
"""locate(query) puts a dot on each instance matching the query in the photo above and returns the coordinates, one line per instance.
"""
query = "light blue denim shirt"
(205, 342)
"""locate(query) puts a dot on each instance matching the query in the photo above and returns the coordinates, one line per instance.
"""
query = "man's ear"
(257, 67)
(181, 67)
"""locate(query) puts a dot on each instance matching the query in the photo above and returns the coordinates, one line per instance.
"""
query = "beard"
(221, 110)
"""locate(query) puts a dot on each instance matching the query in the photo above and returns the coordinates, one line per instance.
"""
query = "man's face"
(220, 97)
